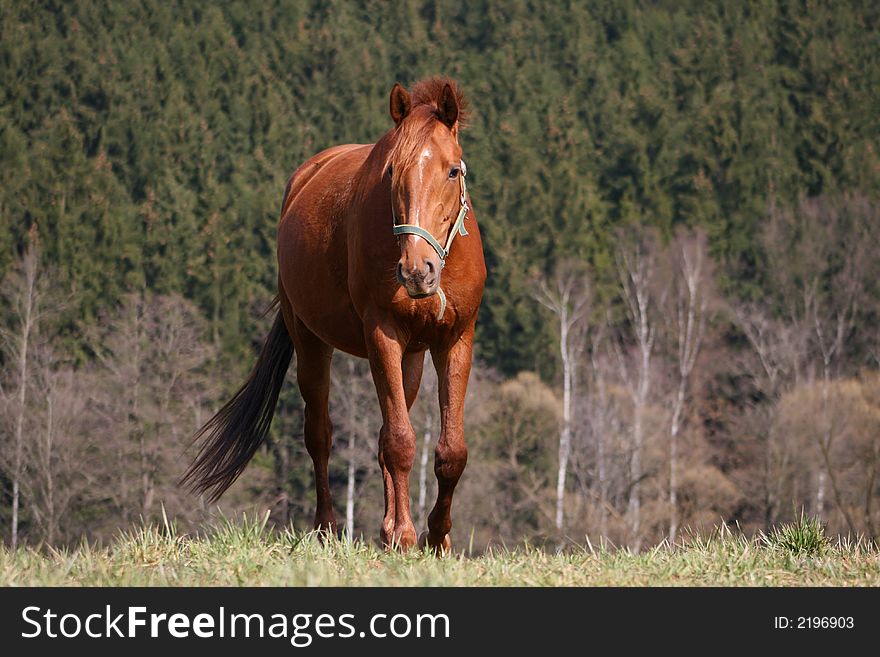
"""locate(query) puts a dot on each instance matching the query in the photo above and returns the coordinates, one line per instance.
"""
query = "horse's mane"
(429, 90)
(409, 137)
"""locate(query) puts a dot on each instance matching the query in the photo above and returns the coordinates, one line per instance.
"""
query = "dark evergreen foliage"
(150, 142)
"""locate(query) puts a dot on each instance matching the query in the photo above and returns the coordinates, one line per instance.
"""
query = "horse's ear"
(400, 103)
(447, 108)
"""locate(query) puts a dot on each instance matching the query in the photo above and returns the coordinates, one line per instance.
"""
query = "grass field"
(248, 554)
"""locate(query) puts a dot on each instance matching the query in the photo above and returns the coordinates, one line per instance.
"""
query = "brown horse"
(363, 240)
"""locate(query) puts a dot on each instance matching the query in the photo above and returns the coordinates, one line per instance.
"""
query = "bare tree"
(869, 454)
(690, 281)
(516, 468)
(853, 409)
(152, 351)
(636, 266)
(821, 266)
(780, 348)
(353, 411)
(598, 429)
(121, 344)
(566, 295)
(23, 290)
(429, 428)
(178, 386)
(601, 419)
(58, 461)
(774, 363)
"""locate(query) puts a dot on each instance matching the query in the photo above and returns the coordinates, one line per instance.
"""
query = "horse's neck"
(370, 175)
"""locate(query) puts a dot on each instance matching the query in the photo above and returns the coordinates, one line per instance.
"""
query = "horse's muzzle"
(419, 283)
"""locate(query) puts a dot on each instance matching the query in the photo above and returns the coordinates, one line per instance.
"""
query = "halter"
(457, 229)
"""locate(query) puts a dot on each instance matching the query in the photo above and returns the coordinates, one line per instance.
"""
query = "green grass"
(248, 553)
(804, 536)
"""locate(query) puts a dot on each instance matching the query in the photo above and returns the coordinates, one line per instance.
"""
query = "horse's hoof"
(401, 542)
(406, 540)
(326, 531)
(386, 534)
(444, 548)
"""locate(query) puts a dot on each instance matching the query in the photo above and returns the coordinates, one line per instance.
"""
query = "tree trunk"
(17, 460)
(147, 488)
(825, 447)
(565, 434)
(603, 484)
(27, 320)
(674, 429)
(47, 466)
(869, 490)
(635, 473)
(349, 495)
(423, 469)
(635, 500)
(568, 302)
(281, 472)
(600, 426)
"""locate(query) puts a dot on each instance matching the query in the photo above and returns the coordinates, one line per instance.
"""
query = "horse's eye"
(453, 173)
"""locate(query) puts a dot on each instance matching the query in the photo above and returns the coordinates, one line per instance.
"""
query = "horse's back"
(312, 253)
(309, 169)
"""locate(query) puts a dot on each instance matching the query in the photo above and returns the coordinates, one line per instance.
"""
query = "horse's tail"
(234, 434)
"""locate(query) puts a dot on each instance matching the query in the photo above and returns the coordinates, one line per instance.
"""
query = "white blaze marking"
(423, 161)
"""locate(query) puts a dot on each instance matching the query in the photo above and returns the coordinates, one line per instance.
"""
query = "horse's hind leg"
(313, 377)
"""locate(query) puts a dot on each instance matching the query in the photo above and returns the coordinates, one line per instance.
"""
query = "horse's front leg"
(450, 456)
(397, 439)
(412, 378)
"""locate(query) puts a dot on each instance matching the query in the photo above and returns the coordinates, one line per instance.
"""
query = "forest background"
(679, 207)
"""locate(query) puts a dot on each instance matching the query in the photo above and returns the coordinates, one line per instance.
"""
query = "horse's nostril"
(399, 272)
(430, 267)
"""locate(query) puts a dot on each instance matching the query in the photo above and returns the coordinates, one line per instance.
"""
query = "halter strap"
(412, 229)
(457, 227)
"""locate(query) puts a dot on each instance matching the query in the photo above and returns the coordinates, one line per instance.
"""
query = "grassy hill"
(248, 554)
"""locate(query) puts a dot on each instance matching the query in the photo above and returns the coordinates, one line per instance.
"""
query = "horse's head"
(427, 189)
